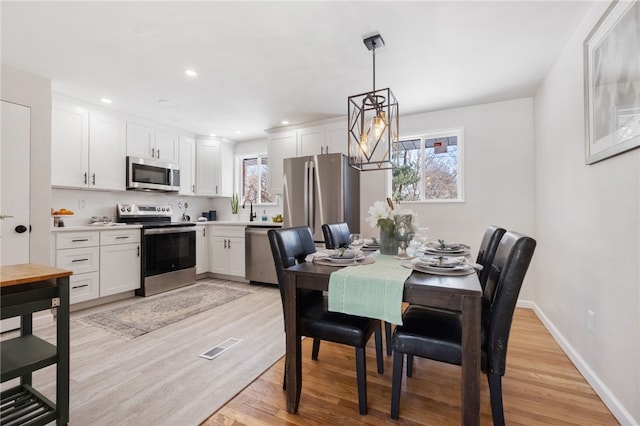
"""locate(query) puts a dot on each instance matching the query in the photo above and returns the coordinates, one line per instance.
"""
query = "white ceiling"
(263, 62)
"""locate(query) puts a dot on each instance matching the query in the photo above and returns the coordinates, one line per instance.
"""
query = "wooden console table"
(25, 289)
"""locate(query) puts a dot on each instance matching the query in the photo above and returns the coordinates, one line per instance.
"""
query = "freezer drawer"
(259, 264)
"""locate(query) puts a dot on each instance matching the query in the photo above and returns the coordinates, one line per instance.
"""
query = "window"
(429, 168)
(253, 180)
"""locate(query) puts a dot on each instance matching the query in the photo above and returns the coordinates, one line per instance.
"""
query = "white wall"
(588, 228)
(498, 175)
(35, 92)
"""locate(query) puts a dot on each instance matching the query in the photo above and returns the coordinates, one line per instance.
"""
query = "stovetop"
(148, 215)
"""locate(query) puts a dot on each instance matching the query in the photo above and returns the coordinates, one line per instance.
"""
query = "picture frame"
(612, 82)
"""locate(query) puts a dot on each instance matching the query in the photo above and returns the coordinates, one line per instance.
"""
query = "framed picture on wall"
(612, 82)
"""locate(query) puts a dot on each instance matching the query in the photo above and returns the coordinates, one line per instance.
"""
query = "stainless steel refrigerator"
(321, 189)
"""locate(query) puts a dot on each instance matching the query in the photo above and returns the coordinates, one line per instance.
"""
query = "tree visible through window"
(254, 180)
(429, 168)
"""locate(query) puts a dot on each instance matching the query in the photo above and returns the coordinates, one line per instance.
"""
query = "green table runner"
(372, 291)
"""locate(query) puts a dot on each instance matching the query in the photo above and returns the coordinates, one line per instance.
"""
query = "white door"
(14, 200)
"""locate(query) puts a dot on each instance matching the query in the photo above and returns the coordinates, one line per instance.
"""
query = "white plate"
(457, 271)
(446, 263)
(343, 260)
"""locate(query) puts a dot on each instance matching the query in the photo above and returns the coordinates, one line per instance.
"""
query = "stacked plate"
(456, 249)
(442, 265)
(344, 258)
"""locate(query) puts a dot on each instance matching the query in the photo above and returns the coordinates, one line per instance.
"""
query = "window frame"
(434, 134)
(239, 177)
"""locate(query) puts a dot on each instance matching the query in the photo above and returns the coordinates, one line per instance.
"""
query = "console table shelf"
(25, 289)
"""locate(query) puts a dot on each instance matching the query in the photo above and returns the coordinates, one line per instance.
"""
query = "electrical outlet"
(591, 321)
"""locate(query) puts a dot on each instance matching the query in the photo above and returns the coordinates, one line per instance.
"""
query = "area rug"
(137, 319)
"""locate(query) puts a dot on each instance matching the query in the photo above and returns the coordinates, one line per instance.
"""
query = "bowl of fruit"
(277, 218)
(57, 216)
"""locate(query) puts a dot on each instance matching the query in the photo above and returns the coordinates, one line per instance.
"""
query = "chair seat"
(430, 333)
(319, 323)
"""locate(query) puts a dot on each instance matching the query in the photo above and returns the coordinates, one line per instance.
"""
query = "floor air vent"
(218, 349)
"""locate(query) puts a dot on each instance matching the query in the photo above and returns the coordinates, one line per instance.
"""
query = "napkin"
(323, 254)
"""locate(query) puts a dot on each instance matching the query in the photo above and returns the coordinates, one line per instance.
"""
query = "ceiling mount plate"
(374, 41)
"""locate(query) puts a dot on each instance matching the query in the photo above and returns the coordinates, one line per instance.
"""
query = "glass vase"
(388, 243)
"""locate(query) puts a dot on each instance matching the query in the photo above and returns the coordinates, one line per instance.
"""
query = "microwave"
(152, 175)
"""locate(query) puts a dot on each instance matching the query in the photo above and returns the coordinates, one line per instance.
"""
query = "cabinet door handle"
(138, 251)
(193, 188)
(79, 286)
(122, 237)
(85, 177)
(216, 189)
(153, 153)
(79, 260)
(94, 178)
(79, 240)
(225, 243)
(229, 245)
(158, 153)
(204, 232)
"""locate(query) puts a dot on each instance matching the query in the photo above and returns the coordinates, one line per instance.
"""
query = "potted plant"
(234, 205)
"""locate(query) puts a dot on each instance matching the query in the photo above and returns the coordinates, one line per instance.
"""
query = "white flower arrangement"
(383, 214)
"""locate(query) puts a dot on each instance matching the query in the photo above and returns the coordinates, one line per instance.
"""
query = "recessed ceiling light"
(237, 132)
(106, 100)
(191, 73)
(212, 134)
(284, 122)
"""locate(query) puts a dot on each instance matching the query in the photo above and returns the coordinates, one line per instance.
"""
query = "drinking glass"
(414, 241)
(356, 242)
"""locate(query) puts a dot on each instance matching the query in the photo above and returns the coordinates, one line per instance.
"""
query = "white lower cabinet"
(226, 250)
(80, 252)
(202, 250)
(103, 262)
(119, 261)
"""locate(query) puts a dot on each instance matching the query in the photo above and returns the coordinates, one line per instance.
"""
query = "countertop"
(29, 272)
(208, 223)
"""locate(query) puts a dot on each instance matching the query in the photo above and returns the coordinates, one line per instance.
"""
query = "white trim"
(600, 388)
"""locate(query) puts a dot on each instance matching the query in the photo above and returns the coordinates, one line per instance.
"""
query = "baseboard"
(613, 404)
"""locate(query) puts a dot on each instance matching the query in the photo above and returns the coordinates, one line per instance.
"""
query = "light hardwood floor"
(158, 379)
(541, 387)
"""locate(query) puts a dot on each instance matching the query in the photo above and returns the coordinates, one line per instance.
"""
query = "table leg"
(62, 344)
(471, 318)
(293, 357)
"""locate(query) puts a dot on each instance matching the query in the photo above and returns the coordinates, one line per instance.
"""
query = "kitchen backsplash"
(86, 204)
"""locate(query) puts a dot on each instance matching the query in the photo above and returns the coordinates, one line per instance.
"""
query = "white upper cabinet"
(69, 146)
(107, 152)
(279, 146)
(214, 168)
(88, 148)
(187, 161)
(336, 138)
(311, 141)
(166, 147)
(146, 142)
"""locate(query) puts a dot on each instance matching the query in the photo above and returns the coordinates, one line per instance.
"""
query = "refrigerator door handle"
(306, 193)
(311, 217)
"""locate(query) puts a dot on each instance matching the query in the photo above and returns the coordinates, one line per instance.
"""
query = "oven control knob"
(129, 208)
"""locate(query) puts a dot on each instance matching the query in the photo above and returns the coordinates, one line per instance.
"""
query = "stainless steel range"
(168, 248)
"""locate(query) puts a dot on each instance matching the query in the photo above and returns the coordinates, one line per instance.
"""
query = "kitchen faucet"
(252, 215)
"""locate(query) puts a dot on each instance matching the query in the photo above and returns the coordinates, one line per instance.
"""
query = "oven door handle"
(177, 230)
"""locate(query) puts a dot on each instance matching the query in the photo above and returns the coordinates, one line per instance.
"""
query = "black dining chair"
(291, 246)
(336, 235)
(437, 334)
(487, 251)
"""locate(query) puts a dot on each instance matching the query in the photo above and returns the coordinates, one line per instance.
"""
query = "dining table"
(456, 293)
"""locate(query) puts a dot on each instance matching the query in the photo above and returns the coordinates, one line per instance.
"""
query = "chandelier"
(373, 123)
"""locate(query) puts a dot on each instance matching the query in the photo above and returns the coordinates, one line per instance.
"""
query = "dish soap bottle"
(264, 215)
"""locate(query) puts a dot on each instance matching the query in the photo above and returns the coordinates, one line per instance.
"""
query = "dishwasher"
(259, 264)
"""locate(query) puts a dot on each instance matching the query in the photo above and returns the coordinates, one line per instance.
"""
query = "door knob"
(20, 229)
